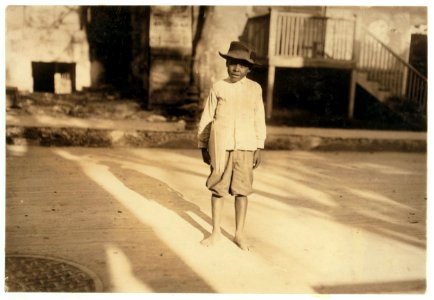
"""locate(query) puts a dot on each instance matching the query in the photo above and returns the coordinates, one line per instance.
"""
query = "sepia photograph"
(198, 149)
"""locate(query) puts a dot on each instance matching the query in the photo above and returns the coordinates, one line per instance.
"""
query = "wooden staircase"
(372, 86)
(386, 76)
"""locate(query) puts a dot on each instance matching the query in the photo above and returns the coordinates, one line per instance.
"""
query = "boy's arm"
(205, 156)
(206, 119)
(257, 158)
(260, 126)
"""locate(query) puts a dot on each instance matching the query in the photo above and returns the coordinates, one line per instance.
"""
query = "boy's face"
(237, 69)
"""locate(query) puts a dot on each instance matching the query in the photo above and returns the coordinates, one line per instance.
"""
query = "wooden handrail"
(393, 74)
(396, 55)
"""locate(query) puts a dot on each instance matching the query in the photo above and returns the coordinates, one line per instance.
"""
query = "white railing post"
(271, 66)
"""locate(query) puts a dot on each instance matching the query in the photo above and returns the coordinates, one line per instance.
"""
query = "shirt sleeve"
(206, 119)
(260, 126)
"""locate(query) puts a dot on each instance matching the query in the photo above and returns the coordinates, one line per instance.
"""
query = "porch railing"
(285, 34)
(394, 75)
(312, 37)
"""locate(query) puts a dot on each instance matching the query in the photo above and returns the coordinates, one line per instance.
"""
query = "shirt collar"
(242, 81)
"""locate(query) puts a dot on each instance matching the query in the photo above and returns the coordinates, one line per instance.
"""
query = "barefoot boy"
(231, 134)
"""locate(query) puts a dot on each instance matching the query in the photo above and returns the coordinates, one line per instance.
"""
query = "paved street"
(319, 222)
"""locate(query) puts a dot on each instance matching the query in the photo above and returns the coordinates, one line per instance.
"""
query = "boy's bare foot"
(211, 240)
(242, 243)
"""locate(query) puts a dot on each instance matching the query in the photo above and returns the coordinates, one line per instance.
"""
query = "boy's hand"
(205, 156)
(256, 158)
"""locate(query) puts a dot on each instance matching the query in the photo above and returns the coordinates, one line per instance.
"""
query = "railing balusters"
(301, 35)
(419, 92)
(381, 68)
(398, 78)
(377, 63)
(293, 44)
(391, 73)
(339, 44)
(297, 30)
(414, 86)
(278, 37)
(290, 40)
(283, 36)
(361, 64)
(316, 38)
(311, 37)
(289, 36)
(340, 41)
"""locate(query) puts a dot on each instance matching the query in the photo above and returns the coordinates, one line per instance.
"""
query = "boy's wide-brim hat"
(240, 51)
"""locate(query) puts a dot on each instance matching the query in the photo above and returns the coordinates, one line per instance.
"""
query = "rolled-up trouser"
(237, 178)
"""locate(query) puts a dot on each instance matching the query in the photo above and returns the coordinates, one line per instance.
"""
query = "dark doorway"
(311, 97)
(419, 53)
(109, 34)
(44, 76)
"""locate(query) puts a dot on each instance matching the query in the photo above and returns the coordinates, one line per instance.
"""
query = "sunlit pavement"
(319, 222)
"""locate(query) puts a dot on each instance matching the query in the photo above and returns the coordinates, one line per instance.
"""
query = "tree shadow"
(163, 194)
(390, 287)
(305, 187)
(76, 218)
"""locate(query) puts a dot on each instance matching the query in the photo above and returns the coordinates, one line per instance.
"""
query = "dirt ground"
(335, 222)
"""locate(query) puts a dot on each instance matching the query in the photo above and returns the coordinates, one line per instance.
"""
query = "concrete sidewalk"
(131, 219)
(67, 131)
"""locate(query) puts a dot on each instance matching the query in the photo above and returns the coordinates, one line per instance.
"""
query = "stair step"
(373, 87)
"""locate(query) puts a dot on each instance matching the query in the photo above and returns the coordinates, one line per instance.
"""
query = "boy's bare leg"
(240, 219)
(216, 208)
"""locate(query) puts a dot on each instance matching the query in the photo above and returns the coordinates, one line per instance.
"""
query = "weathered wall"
(170, 43)
(392, 25)
(44, 34)
(223, 25)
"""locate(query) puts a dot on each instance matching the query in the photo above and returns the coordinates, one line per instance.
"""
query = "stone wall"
(44, 34)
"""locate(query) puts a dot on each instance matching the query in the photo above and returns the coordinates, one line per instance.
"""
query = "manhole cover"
(42, 274)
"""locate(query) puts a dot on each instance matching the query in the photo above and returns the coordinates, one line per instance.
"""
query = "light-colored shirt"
(237, 111)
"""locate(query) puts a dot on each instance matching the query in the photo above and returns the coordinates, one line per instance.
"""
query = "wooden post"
(272, 34)
(271, 67)
(353, 79)
(270, 90)
(352, 94)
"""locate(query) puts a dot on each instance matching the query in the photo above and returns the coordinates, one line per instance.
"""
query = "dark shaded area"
(319, 91)
(139, 77)
(110, 40)
(153, 262)
(43, 274)
(418, 57)
(395, 114)
(201, 18)
(43, 75)
(119, 40)
(393, 287)
(316, 97)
